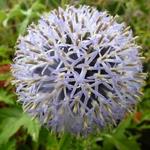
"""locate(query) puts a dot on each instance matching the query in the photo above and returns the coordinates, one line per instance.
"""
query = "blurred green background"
(19, 132)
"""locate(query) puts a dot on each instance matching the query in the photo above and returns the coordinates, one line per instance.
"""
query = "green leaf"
(10, 113)
(16, 11)
(54, 3)
(64, 142)
(5, 51)
(48, 139)
(121, 143)
(24, 25)
(107, 143)
(119, 139)
(122, 127)
(52, 141)
(33, 127)
(64, 2)
(2, 15)
(9, 127)
(12, 120)
(146, 115)
(11, 145)
(37, 6)
(145, 127)
(6, 97)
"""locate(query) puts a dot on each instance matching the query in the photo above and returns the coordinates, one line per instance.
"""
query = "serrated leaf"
(33, 127)
(9, 127)
(12, 120)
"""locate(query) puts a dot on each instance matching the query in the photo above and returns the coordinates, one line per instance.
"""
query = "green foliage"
(12, 119)
(119, 139)
(11, 145)
(19, 131)
(6, 97)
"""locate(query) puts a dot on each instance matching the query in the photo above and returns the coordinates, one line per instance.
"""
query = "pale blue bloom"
(77, 70)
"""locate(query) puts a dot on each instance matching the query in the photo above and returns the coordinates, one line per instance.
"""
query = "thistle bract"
(78, 69)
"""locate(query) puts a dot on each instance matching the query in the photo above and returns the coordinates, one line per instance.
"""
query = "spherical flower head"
(78, 70)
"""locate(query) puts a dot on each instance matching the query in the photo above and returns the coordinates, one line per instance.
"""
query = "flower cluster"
(78, 69)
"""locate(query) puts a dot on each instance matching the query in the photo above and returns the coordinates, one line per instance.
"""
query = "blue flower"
(78, 70)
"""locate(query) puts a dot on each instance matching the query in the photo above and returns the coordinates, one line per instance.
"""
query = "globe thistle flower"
(78, 69)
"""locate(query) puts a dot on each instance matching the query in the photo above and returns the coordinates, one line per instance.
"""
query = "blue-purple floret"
(78, 70)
